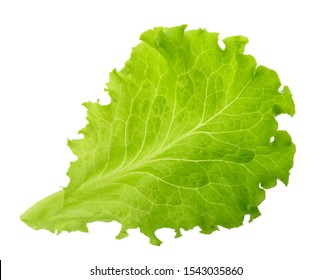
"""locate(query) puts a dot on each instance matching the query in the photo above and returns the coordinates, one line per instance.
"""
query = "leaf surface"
(185, 141)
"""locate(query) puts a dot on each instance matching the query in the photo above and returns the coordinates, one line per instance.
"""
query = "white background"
(54, 55)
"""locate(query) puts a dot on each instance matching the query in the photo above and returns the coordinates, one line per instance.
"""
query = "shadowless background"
(55, 55)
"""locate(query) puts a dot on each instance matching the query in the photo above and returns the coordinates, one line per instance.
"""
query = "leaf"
(185, 141)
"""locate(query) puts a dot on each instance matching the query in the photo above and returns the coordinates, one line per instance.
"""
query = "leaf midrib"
(119, 173)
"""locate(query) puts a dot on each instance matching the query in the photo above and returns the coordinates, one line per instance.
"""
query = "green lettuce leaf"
(189, 139)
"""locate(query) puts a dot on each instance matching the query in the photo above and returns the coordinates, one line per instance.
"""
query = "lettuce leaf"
(189, 139)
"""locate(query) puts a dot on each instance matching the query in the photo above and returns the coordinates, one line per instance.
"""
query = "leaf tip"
(236, 43)
(178, 233)
(284, 103)
(122, 234)
(254, 213)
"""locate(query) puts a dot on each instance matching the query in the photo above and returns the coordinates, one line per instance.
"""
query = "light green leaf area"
(189, 139)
